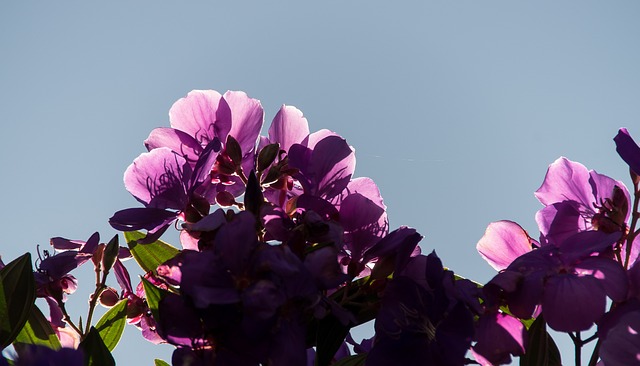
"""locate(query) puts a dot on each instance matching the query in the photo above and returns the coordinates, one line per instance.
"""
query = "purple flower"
(204, 117)
(579, 200)
(419, 323)
(166, 185)
(34, 355)
(570, 281)
(242, 296)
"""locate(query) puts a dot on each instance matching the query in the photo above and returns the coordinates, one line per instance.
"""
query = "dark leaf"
(110, 254)
(267, 155)
(541, 349)
(17, 297)
(233, 150)
(355, 360)
(253, 197)
(95, 351)
(331, 334)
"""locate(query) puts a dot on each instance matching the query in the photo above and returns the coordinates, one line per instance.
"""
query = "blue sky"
(455, 109)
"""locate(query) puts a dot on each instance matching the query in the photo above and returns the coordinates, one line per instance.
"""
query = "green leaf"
(149, 256)
(96, 352)
(331, 334)
(17, 297)
(541, 349)
(159, 362)
(37, 330)
(154, 295)
(355, 360)
(111, 325)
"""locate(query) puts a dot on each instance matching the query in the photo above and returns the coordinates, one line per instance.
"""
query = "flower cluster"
(283, 251)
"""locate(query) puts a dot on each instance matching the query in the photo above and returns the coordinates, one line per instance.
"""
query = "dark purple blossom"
(419, 323)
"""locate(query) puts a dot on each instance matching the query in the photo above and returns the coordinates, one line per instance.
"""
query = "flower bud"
(110, 254)
(109, 297)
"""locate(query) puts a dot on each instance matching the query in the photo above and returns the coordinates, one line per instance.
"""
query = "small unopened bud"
(110, 254)
(97, 255)
(109, 297)
(225, 199)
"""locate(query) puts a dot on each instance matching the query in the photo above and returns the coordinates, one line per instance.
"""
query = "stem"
(100, 286)
(577, 342)
(595, 355)
(67, 318)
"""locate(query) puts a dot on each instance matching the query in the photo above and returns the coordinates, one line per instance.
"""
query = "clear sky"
(455, 108)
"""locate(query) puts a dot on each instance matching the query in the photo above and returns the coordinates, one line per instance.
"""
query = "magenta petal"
(572, 303)
(621, 347)
(157, 179)
(503, 241)
(332, 164)
(179, 142)
(603, 187)
(559, 221)
(203, 114)
(609, 273)
(288, 127)
(628, 150)
(65, 244)
(566, 181)
(247, 117)
(586, 243)
(141, 218)
(499, 336)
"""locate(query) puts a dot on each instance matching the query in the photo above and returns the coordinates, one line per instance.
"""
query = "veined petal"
(247, 117)
(583, 244)
(628, 150)
(571, 303)
(288, 127)
(609, 273)
(203, 114)
(500, 336)
(559, 221)
(331, 166)
(503, 241)
(158, 179)
(178, 141)
(566, 180)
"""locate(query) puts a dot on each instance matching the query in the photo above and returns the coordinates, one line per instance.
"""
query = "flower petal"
(178, 141)
(157, 179)
(503, 241)
(247, 117)
(288, 127)
(203, 114)
(571, 303)
(566, 180)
